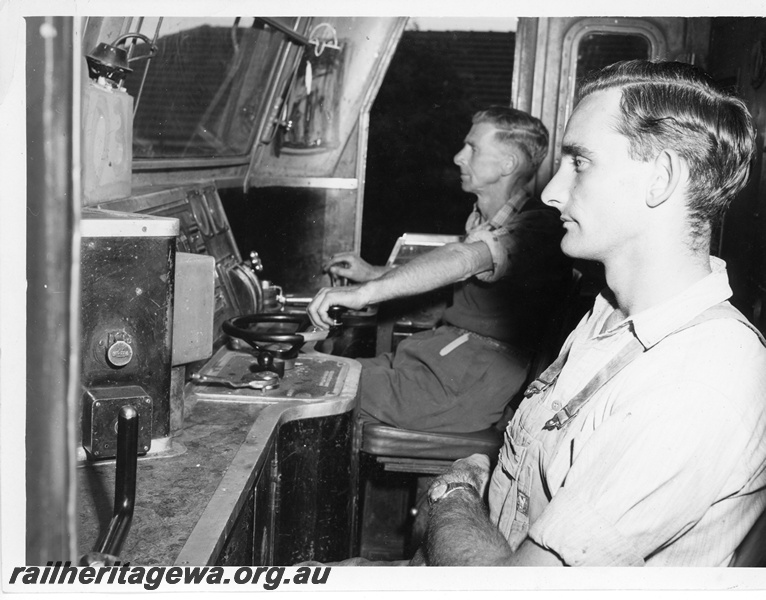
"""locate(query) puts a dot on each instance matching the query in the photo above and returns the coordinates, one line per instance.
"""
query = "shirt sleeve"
(650, 471)
(500, 246)
(525, 247)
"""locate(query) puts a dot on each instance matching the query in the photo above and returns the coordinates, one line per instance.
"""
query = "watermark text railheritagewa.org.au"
(152, 578)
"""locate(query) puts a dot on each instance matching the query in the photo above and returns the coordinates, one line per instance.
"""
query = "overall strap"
(631, 350)
(724, 311)
(623, 358)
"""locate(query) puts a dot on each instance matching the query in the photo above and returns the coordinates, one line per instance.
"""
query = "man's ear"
(511, 162)
(666, 177)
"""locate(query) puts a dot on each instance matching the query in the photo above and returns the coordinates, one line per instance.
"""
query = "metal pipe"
(293, 35)
(153, 44)
(124, 483)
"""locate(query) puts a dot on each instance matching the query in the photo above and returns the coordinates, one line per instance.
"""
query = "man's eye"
(577, 162)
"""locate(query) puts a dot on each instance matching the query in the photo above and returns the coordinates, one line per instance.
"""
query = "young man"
(660, 460)
(510, 270)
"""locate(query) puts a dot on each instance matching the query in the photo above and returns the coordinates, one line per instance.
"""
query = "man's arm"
(442, 266)
(460, 534)
(459, 529)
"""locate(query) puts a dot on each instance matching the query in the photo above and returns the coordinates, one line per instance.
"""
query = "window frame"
(234, 165)
(570, 44)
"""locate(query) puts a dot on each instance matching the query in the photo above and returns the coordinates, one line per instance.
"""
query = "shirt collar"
(656, 323)
(506, 212)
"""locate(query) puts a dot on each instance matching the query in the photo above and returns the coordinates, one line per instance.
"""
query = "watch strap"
(457, 485)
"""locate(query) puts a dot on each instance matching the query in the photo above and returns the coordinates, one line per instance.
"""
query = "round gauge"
(247, 289)
(215, 209)
(200, 213)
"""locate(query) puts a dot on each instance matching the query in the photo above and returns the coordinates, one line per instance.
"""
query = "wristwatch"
(455, 485)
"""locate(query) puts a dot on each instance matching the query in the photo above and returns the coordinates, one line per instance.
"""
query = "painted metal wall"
(53, 374)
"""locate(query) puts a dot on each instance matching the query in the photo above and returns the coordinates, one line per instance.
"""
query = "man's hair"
(673, 105)
(517, 129)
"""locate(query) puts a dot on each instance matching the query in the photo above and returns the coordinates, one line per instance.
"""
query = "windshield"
(201, 94)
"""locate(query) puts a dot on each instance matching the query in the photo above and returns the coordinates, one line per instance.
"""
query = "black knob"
(336, 312)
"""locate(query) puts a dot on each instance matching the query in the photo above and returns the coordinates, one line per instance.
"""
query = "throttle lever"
(336, 312)
(110, 543)
(337, 280)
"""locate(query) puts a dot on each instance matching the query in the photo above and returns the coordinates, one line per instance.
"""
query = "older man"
(510, 272)
(643, 443)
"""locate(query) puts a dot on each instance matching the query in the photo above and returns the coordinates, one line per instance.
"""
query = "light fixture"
(108, 63)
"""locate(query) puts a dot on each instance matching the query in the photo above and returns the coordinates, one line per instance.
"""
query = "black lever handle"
(124, 484)
(335, 312)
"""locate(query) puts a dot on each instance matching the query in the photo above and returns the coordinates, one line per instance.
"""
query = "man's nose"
(554, 194)
(458, 159)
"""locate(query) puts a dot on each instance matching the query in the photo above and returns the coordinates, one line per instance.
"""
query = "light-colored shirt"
(665, 464)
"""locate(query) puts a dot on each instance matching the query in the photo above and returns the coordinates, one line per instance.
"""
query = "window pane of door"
(597, 50)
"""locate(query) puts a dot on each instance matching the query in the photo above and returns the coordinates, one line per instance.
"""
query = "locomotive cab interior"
(187, 178)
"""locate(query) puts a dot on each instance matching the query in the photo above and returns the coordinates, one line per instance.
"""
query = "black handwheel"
(239, 327)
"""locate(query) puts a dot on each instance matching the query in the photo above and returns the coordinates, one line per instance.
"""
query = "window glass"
(597, 50)
(202, 92)
(314, 100)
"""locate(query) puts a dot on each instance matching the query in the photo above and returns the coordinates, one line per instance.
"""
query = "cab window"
(592, 43)
(599, 49)
(201, 94)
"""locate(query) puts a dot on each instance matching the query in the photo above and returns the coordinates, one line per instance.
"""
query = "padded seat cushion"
(383, 440)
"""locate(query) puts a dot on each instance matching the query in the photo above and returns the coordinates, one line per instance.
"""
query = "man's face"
(482, 160)
(599, 189)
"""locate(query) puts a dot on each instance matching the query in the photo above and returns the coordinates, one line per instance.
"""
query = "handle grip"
(112, 540)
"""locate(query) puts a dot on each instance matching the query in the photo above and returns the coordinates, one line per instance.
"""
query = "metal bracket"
(101, 408)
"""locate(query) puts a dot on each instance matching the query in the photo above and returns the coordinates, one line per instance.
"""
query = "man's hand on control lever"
(343, 266)
(349, 266)
(350, 296)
